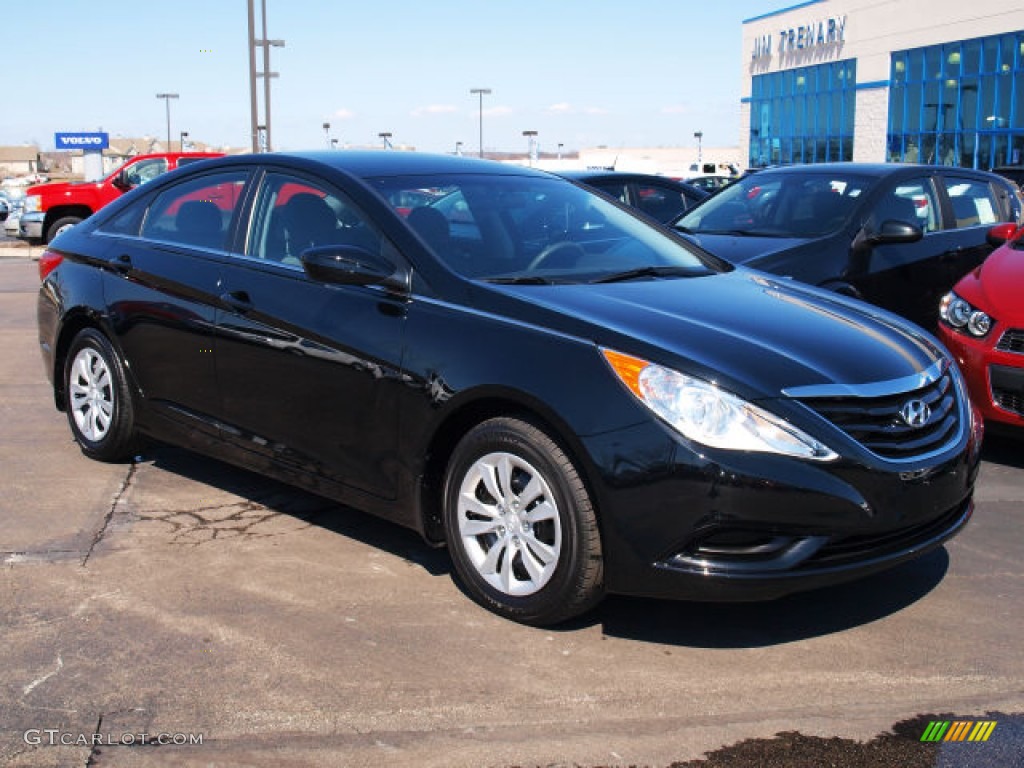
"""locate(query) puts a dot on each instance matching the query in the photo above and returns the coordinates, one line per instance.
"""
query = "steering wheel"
(569, 251)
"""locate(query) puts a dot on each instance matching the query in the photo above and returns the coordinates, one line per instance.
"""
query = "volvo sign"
(95, 141)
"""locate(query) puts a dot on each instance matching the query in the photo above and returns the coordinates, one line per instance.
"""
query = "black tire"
(520, 525)
(65, 222)
(97, 400)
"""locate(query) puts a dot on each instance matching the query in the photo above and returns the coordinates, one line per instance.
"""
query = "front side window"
(972, 201)
(145, 170)
(197, 212)
(910, 202)
(294, 214)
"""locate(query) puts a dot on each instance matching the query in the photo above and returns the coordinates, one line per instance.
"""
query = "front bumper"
(995, 378)
(30, 226)
(718, 526)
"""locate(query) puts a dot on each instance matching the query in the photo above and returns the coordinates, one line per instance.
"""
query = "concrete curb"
(20, 251)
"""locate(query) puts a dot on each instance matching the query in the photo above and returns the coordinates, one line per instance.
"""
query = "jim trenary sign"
(815, 34)
(81, 140)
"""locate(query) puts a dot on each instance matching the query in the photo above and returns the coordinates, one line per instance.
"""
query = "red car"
(982, 324)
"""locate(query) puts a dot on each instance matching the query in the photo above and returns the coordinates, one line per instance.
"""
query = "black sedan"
(572, 400)
(660, 197)
(899, 236)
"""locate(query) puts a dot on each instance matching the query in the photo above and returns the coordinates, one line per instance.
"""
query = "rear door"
(162, 289)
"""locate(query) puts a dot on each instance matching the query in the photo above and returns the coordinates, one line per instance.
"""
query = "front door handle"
(122, 264)
(237, 300)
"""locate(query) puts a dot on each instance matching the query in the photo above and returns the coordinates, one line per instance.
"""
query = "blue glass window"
(803, 115)
(959, 103)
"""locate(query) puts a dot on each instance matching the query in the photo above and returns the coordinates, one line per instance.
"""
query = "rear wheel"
(61, 225)
(98, 403)
(520, 524)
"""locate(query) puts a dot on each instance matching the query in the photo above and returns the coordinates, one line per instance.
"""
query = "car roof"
(592, 174)
(378, 163)
(871, 169)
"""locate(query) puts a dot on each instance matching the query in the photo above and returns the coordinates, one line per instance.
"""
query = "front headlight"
(960, 315)
(33, 203)
(702, 412)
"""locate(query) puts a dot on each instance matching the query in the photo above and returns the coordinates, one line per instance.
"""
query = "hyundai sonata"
(573, 400)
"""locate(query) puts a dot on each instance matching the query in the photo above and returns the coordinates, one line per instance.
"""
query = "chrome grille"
(876, 423)
(1012, 340)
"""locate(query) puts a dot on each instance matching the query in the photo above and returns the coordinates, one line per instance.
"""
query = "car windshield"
(766, 204)
(531, 229)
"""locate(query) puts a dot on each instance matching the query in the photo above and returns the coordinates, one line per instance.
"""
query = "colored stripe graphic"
(935, 731)
(958, 730)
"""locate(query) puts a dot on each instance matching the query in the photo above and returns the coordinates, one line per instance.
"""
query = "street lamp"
(184, 135)
(481, 92)
(386, 138)
(327, 134)
(458, 148)
(167, 101)
(560, 145)
(531, 137)
(698, 136)
(266, 74)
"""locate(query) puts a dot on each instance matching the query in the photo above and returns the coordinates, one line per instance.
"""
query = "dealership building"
(929, 81)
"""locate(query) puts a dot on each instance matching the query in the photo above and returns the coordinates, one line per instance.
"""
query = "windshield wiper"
(519, 280)
(631, 274)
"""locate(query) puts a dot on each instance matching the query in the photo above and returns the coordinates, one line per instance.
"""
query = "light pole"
(481, 92)
(458, 148)
(266, 74)
(184, 135)
(327, 134)
(700, 163)
(531, 138)
(385, 136)
(167, 101)
(560, 145)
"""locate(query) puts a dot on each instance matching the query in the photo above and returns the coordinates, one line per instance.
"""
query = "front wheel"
(97, 400)
(520, 525)
(61, 225)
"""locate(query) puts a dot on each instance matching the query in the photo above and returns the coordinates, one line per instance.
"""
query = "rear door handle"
(237, 300)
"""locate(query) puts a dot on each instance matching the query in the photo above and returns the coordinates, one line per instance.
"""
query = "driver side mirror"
(894, 231)
(121, 182)
(1000, 234)
(351, 265)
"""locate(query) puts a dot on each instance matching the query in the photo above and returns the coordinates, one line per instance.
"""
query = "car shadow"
(1003, 449)
(284, 499)
(667, 622)
(756, 625)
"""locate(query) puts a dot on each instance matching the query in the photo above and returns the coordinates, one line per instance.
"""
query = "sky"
(582, 73)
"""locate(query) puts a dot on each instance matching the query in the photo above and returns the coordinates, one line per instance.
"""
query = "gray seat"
(432, 226)
(199, 222)
(309, 222)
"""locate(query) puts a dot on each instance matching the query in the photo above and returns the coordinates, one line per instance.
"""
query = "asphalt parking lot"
(148, 607)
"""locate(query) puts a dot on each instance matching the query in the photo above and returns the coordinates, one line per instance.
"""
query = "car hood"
(997, 286)
(739, 249)
(752, 333)
(57, 187)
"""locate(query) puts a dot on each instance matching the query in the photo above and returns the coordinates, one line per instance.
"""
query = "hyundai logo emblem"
(916, 413)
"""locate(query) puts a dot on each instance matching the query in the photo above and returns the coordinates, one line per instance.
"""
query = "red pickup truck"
(52, 208)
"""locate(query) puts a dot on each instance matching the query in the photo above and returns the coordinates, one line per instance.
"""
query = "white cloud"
(497, 112)
(562, 108)
(344, 114)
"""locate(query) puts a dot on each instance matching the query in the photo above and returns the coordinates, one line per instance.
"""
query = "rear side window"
(973, 202)
(197, 212)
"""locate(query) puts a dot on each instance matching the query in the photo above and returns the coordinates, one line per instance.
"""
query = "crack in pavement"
(126, 483)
